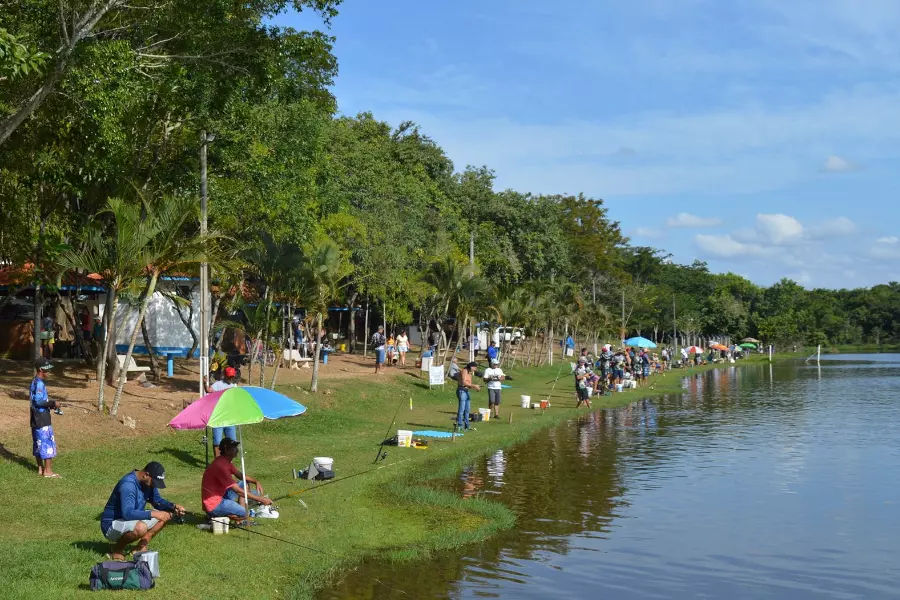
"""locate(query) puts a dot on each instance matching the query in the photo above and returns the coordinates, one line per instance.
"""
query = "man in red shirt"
(223, 486)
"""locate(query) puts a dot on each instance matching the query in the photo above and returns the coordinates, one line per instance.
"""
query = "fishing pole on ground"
(333, 481)
(384, 439)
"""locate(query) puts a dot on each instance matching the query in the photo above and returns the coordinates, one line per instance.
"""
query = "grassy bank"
(50, 529)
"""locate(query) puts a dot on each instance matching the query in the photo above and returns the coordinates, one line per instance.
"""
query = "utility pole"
(471, 325)
(205, 139)
(622, 337)
(674, 326)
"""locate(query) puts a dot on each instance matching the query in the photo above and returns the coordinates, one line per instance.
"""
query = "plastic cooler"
(404, 438)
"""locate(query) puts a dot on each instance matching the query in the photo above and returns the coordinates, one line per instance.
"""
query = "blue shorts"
(44, 442)
(220, 432)
(618, 373)
(229, 505)
(646, 371)
(379, 357)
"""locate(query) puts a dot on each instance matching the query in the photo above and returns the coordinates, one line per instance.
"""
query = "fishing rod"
(309, 548)
(333, 481)
(384, 439)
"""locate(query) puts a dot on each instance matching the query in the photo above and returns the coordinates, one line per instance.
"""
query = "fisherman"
(219, 433)
(222, 487)
(44, 442)
(125, 518)
(581, 383)
(494, 376)
(453, 371)
(462, 394)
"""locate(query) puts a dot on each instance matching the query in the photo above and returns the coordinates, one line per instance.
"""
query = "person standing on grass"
(125, 517)
(493, 353)
(402, 346)
(645, 365)
(43, 440)
(222, 486)
(494, 377)
(581, 384)
(219, 433)
(378, 342)
(464, 382)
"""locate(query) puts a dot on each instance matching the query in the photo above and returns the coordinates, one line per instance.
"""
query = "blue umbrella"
(640, 342)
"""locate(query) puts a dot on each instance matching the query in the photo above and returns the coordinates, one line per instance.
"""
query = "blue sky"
(761, 136)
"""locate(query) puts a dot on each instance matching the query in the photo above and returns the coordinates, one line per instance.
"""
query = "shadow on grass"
(96, 547)
(184, 457)
(19, 460)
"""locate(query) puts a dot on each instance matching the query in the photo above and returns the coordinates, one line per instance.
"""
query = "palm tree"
(168, 244)
(116, 259)
(320, 273)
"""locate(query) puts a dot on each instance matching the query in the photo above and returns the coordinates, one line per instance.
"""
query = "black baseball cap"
(472, 365)
(157, 474)
(42, 364)
(227, 444)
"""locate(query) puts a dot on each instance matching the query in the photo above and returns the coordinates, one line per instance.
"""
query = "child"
(41, 428)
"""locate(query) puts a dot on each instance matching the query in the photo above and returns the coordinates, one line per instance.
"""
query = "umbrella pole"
(244, 471)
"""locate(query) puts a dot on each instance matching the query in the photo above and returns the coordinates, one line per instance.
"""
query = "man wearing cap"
(44, 442)
(378, 342)
(494, 376)
(227, 381)
(464, 382)
(125, 518)
(581, 384)
(222, 488)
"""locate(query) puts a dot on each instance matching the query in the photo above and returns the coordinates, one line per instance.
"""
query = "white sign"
(436, 375)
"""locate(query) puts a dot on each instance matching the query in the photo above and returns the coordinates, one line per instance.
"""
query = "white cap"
(494, 361)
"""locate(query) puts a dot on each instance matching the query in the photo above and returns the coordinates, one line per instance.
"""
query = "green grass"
(50, 536)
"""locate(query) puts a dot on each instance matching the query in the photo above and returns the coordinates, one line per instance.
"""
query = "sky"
(760, 136)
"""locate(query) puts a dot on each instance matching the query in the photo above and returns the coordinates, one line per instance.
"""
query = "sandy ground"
(151, 408)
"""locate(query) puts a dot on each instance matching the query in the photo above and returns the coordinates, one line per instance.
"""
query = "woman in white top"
(402, 347)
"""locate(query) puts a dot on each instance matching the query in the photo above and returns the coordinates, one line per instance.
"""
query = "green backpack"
(121, 575)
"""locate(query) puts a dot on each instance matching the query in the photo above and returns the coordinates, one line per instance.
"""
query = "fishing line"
(309, 548)
(333, 481)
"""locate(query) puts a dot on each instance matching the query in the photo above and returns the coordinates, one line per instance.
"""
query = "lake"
(771, 481)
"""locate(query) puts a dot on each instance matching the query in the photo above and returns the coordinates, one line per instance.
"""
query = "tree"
(169, 241)
(320, 274)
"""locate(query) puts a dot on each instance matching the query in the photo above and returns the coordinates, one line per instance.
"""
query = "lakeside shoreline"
(387, 514)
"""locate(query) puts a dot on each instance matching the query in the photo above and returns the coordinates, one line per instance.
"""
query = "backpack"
(121, 575)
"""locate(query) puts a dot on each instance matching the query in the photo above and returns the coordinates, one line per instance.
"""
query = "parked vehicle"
(512, 335)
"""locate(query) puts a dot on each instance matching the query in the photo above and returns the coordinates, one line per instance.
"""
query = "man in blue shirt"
(125, 518)
(44, 441)
(493, 352)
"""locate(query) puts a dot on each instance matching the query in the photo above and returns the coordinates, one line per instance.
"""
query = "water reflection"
(773, 481)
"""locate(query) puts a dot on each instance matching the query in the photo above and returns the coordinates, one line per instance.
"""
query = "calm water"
(759, 482)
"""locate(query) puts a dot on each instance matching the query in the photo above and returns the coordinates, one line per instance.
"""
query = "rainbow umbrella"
(234, 407)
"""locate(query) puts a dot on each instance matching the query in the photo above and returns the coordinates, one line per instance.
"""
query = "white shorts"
(120, 528)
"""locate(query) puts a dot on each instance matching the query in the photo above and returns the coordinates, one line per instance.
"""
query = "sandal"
(53, 476)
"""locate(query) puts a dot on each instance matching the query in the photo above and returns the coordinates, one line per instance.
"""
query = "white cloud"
(725, 246)
(647, 232)
(779, 229)
(839, 227)
(836, 164)
(689, 220)
(890, 239)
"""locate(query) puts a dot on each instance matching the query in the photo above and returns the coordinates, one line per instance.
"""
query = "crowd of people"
(616, 370)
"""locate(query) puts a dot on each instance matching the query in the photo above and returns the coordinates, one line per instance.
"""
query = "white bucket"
(485, 414)
(323, 463)
(220, 525)
(404, 438)
(526, 401)
(619, 387)
(152, 559)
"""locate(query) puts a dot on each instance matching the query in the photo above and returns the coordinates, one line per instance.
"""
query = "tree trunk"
(154, 368)
(37, 322)
(188, 322)
(314, 386)
(351, 327)
(103, 347)
(76, 327)
(124, 371)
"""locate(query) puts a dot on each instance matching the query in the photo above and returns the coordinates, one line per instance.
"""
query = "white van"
(512, 335)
